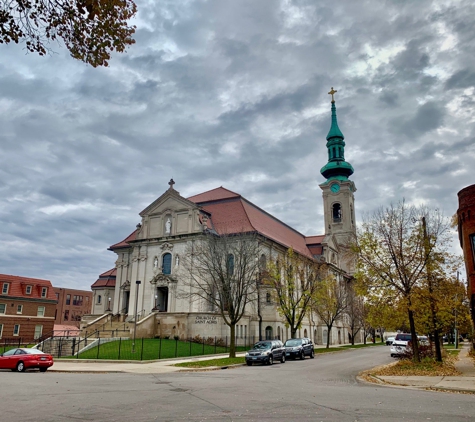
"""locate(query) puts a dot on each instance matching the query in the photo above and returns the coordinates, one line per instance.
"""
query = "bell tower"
(338, 190)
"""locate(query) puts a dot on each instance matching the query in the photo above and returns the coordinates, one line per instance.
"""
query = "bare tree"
(223, 273)
(393, 248)
(294, 280)
(354, 312)
(330, 302)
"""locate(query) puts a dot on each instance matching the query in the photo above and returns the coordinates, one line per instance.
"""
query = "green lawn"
(151, 349)
(212, 362)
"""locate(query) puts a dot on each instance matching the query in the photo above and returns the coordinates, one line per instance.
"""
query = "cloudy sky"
(234, 94)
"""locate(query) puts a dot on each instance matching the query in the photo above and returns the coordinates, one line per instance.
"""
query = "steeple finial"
(171, 183)
(333, 92)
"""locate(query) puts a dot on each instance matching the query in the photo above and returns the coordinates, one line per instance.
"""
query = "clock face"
(335, 187)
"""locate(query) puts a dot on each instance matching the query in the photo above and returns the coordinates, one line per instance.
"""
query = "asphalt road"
(322, 389)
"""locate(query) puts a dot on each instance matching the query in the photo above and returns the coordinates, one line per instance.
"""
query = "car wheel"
(282, 360)
(302, 355)
(43, 369)
(270, 361)
(312, 354)
(249, 363)
(20, 367)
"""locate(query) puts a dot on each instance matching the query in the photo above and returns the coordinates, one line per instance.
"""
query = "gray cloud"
(235, 94)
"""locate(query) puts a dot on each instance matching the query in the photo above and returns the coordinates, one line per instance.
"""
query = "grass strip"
(211, 362)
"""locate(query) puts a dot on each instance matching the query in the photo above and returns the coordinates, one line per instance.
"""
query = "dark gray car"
(299, 348)
(266, 352)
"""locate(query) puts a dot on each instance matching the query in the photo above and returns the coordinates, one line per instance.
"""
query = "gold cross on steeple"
(332, 92)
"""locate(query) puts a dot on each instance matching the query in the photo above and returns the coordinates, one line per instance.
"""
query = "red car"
(23, 358)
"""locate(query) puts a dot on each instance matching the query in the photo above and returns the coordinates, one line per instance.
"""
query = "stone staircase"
(107, 327)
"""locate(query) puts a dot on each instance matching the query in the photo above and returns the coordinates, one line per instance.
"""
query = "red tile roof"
(123, 243)
(312, 240)
(235, 214)
(213, 195)
(18, 285)
(106, 279)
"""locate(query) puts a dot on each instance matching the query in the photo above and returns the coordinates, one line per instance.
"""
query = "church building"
(149, 272)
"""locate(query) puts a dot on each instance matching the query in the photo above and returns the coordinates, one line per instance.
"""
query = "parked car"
(389, 341)
(299, 348)
(266, 352)
(21, 359)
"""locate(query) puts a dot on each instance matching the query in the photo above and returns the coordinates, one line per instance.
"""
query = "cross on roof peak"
(171, 183)
(332, 92)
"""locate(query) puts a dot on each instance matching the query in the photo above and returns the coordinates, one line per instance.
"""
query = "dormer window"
(28, 290)
(5, 288)
(44, 291)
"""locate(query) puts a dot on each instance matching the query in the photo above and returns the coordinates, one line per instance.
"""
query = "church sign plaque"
(206, 319)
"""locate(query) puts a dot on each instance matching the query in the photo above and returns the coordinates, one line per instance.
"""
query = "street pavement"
(463, 383)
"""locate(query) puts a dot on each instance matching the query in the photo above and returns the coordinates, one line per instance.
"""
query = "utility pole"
(135, 317)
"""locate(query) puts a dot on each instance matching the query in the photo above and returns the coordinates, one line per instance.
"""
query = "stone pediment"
(168, 216)
(163, 280)
(169, 202)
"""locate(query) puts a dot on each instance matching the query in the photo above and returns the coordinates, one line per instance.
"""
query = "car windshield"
(261, 346)
(293, 343)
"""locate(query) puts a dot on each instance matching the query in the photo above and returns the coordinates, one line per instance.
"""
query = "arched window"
(268, 298)
(305, 333)
(167, 263)
(268, 332)
(99, 299)
(230, 264)
(336, 213)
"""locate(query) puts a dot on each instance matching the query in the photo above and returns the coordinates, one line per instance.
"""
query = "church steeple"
(336, 168)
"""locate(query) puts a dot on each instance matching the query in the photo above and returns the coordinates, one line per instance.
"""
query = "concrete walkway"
(462, 383)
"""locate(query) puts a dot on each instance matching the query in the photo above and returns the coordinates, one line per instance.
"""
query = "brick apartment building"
(466, 229)
(72, 305)
(27, 308)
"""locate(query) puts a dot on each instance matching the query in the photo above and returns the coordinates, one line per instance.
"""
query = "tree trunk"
(415, 343)
(232, 342)
(329, 328)
(293, 332)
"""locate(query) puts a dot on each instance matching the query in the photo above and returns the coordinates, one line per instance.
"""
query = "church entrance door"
(162, 299)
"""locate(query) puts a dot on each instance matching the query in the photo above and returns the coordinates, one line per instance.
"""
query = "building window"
(66, 315)
(3, 308)
(230, 264)
(16, 329)
(44, 291)
(68, 299)
(263, 263)
(268, 298)
(1, 330)
(28, 290)
(87, 300)
(167, 263)
(472, 241)
(268, 332)
(38, 331)
(57, 296)
(19, 309)
(5, 288)
(99, 299)
(41, 311)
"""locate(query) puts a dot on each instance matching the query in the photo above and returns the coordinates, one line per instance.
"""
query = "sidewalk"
(463, 383)
(161, 366)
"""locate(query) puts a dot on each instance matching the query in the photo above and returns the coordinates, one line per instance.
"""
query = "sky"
(233, 94)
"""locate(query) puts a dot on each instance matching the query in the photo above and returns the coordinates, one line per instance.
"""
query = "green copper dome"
(335, 131)
(337, 167)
